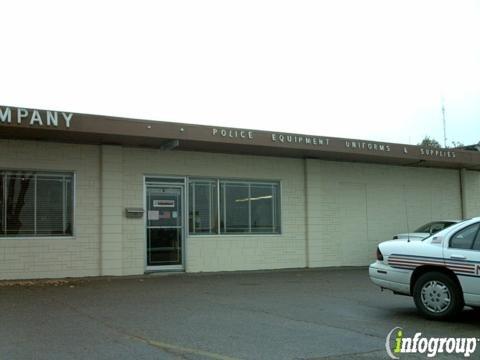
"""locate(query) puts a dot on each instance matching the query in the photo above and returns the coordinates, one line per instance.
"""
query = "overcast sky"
(364, 69)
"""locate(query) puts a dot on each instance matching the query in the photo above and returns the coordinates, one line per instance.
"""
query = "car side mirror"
(437, 239)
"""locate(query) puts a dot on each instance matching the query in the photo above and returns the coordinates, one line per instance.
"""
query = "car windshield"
(434, 227)
(424, 228)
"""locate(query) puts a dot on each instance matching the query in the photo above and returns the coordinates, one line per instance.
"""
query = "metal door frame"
(163, 184)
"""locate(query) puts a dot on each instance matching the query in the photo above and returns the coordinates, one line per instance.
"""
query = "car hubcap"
(436, 296)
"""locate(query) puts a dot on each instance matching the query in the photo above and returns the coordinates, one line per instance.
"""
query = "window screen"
(36, 204)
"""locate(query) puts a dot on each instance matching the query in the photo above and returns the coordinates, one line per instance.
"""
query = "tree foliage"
(430, 142)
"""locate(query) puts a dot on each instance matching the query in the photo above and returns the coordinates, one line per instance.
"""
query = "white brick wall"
(472, 194)
(355, 206)
(219, 253)
(111, 205)
(351, 208)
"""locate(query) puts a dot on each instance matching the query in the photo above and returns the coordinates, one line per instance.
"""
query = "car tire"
(437, 296)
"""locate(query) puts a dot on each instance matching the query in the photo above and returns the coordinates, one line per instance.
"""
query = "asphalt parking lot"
(299, 314)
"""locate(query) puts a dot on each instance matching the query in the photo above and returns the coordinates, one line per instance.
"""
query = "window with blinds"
(35, 204)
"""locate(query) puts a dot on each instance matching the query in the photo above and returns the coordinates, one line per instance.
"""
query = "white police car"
(441, 272)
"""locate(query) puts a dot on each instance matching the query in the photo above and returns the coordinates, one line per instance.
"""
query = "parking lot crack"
(375, 352)
(284, 317)
(173, 349)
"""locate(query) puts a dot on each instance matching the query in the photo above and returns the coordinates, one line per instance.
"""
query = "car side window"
(476, 245)
(464, 238)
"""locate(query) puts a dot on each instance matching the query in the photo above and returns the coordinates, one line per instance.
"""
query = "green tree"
(430, 142)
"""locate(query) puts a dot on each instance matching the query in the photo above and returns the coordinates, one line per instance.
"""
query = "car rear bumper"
(386, 277)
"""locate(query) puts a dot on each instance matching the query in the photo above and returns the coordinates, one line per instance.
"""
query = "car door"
(462, 256)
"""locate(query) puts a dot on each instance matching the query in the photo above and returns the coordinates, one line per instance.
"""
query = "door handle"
(457, 257)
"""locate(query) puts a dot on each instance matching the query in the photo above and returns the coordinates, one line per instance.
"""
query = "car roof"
(456, 226)
(451, 220)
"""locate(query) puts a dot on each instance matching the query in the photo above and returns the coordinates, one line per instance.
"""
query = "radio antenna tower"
(444, 124)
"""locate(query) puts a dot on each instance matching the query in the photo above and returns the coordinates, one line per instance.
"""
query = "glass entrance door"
(165, 226)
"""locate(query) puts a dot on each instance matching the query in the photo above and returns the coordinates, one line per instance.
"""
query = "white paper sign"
(153, 215)
(164, 203)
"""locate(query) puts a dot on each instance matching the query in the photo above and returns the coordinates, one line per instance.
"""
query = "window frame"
(475, 241)
(45, 172)
(250, 181)
(194, 180)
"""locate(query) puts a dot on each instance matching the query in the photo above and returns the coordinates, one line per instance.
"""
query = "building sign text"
(299, 139)
(34, 117)
(437, 153)
(366, 145)
(233, 133)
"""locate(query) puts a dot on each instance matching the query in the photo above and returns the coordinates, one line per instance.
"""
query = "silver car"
(427, 230)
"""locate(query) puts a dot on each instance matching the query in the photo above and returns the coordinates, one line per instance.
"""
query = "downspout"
(463, 193)
(307, 214)
(100, 223)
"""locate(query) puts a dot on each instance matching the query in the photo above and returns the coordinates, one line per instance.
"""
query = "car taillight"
(379, 254)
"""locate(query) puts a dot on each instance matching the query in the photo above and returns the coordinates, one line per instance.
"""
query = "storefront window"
(249, 207)
(2, 204)
(36, 204)
(235, 207)
(264, 208)
(245, 207)
(203, 207)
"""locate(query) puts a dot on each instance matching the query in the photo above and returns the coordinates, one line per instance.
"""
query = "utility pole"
(444, 124)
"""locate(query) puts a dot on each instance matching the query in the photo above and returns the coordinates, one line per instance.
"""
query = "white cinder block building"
(86, 195)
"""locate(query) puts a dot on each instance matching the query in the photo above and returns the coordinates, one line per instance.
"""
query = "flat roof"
(63, 126)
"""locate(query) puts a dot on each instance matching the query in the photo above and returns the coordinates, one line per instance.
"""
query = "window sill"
(37, 238)
(234, 235)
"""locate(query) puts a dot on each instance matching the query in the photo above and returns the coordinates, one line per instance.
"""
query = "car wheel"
(437, 296)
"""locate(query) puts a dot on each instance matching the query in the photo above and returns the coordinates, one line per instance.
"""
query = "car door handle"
(457, 257)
